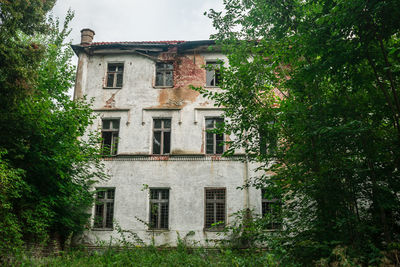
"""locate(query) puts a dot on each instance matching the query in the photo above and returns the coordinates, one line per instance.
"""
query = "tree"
(47, 166)
(312, 90)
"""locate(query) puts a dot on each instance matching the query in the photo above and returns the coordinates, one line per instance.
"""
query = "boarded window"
(159, 208)
(115, 75)
(213, 75)
(161, 136)
(214, 141)
(109, 134)
(271, 210)
(215, 208)
(104, 208)
(164, 74)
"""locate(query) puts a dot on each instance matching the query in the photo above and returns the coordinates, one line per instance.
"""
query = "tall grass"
(152, 256)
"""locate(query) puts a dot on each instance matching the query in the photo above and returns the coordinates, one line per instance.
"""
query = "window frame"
(158, 201)
(214, 73)
(115, 75)
(215, 121)
(214, 201)
(104, 201)
(164, 71)
(162, 130)
(114, 136)
(275, 216)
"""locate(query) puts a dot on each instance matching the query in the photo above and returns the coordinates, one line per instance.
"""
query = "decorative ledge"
(174, 158)
(111, 109)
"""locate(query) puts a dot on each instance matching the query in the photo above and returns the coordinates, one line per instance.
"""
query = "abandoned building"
(167, 173)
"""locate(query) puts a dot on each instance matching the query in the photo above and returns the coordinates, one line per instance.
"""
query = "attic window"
(164, 74)
(114, 75)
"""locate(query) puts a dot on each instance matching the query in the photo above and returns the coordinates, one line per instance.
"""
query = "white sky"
(140, 20)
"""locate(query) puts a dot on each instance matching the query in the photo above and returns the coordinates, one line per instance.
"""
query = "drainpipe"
(246, 180)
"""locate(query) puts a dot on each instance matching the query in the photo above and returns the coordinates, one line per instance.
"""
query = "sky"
(139, 20)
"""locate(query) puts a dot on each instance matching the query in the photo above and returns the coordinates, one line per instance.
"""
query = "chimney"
(86, 36)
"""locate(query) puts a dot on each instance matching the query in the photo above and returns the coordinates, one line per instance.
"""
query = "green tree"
(48, 161)
(312, 90)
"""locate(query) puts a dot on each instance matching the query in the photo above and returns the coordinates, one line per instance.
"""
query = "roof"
(164, 45)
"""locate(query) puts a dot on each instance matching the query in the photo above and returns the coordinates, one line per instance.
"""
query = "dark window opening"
(109, 135)
(104, 208)
(161, 136)
(214, 141)
(271, 210)
(159, 205)
(213, 74)
(115, 75)
(164, 74)
(215, 208)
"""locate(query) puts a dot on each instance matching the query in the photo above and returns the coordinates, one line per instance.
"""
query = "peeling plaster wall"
(136, 104)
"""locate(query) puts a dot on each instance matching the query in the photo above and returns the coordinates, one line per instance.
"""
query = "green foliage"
(312, 92)
(155, 257)
(50, 162)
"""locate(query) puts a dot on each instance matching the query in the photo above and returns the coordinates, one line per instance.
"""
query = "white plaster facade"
(186, 171)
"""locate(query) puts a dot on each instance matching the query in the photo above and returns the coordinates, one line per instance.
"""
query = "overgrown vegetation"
(154, 257)
(311, 91)
(46, 170)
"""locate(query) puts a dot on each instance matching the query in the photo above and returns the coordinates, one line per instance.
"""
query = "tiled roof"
(172, 42)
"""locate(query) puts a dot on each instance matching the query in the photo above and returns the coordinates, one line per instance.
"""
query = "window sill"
(162, 87)
(112, 87)
(211, 87)
(213, 230)
(102, 229)
(157, 230)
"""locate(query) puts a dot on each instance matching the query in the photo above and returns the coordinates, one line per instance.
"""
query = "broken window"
(215, 208)
(161, 136)
(271, 210)
(164, 74)
(213, 75)
(104, 208)
(109, 135)
(214, 141)
(159, 205)
(114, 75)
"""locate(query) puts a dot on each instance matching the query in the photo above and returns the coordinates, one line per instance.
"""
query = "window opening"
(109, 134)
(214, 141)
(215, 208)
(104, 208)
(115, 75)
(164, 74)
(159, 205)
(271, 210)
(213, 75)
(161, 136)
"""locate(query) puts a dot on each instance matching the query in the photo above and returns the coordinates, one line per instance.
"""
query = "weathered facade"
(167, 174)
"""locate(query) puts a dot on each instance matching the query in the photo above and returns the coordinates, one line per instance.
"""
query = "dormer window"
(115, 73)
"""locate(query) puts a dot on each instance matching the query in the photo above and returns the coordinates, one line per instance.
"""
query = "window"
(114, 75)
(213, 75)
(161, 136)
(104, 209)
(271, 210)
(164, 74)
(109, 135)
(159, 202)
(215, 207)
(214, 141)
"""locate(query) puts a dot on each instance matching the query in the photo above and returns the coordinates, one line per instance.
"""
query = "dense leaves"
(312, 90)
(46, 167)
